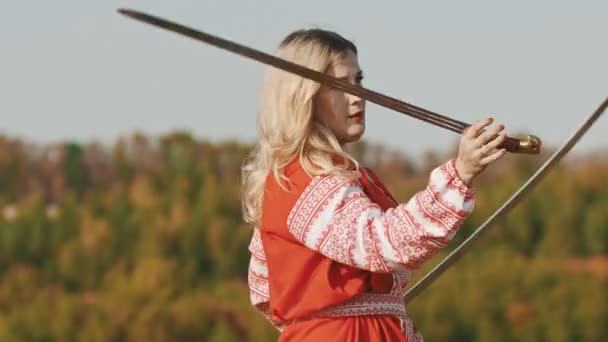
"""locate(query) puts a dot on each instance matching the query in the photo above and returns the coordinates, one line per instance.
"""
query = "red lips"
(357, 117)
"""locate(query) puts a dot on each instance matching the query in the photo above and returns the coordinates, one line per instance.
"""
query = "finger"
(495, 142)
(492, 157)
(489, 135)
(474, 130)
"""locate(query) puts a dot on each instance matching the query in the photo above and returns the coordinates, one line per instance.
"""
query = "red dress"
(331, 256)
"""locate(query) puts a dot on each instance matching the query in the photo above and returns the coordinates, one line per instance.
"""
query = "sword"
(508, 205)
(529, 145)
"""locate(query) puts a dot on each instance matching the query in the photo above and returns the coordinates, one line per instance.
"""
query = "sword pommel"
(530, 145)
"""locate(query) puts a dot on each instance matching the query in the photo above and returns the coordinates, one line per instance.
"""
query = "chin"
(353, 134)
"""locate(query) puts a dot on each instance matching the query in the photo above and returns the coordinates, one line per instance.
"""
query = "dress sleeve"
(336, 218)
(257, 279)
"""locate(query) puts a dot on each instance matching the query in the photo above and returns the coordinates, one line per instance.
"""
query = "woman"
(332, 249)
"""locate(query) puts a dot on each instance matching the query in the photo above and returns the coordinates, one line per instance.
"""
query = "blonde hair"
(286, 125)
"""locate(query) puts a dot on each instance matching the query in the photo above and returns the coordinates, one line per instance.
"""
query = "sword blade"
(530, 146)
(507, 206)
(372, 96)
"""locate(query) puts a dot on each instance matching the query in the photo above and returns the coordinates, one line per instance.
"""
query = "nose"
(354, 99)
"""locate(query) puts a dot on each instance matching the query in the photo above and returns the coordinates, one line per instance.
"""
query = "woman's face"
(342, 113)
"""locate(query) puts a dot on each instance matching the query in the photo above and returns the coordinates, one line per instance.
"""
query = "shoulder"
(302, 190)
(280, 198)
(294, 180)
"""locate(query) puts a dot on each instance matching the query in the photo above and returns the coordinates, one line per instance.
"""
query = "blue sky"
(78, 70)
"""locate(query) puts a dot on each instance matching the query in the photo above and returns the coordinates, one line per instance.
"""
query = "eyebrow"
(359, 74)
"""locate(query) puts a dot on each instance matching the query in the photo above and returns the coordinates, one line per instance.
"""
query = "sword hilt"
(529, 145)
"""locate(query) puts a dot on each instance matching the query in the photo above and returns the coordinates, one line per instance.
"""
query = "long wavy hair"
(286, 124)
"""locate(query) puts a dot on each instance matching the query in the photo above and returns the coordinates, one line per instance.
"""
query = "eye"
(359, 80)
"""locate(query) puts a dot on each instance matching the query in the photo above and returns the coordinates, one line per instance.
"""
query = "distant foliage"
(144, 241)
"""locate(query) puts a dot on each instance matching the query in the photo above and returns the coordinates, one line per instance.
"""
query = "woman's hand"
(478, 149)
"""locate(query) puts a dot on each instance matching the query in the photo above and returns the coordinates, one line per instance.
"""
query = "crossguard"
(530, 145)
